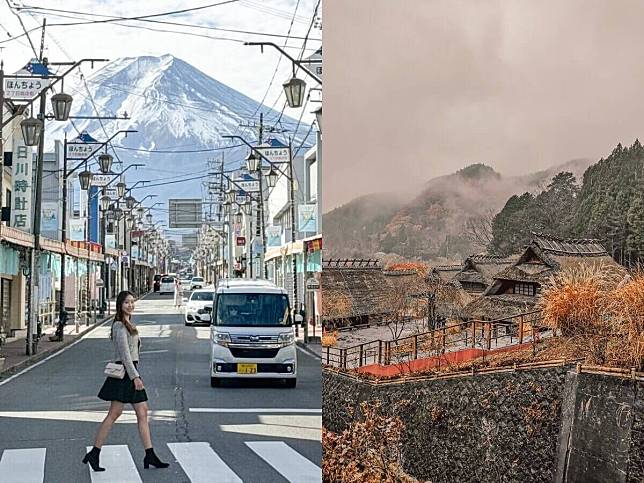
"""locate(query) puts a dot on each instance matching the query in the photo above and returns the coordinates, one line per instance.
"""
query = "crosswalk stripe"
(23, 465)
(202, 464)
(119, 466)
(288, 462)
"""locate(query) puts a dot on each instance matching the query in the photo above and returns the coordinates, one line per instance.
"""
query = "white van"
(167, 285)
(252, 334)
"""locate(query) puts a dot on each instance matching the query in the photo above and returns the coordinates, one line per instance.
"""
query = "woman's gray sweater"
(126, 348)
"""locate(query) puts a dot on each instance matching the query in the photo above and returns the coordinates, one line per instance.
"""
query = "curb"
(8, 371)
(306, 349)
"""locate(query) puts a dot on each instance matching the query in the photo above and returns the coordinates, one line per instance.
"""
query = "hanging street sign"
(81, 150)
(276, 154)
(248, 186)
(101, 179)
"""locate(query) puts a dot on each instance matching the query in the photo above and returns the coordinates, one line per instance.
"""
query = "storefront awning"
(15, 236)
(285, 250)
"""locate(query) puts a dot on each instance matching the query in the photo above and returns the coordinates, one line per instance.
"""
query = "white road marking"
(202, 464)
(23, 465)
(256, 410)
(128, 416)
(155, 351)
(273, 431)
(288, 462)
(119, 466)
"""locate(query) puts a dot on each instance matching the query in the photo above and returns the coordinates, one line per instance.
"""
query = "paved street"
(257, 432)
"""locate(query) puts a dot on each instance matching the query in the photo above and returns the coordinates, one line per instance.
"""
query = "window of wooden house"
(524, 288)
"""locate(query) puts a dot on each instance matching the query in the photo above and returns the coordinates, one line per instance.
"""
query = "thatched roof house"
(478, 271)
(446, 273)
(516, 288)
(353, 292)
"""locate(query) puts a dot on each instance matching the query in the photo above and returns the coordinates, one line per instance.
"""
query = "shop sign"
(307, 218)
(273, 236)
(241, 241)
(22, 186)
(312, 284)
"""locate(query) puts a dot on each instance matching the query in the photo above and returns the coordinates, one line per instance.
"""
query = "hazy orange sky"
(419, 88)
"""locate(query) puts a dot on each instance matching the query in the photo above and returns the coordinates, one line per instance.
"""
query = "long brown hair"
(120, 316)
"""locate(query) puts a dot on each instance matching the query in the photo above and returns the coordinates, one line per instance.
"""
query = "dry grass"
(595, 302)
(330, 338)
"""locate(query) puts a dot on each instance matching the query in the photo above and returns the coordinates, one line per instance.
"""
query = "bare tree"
(478, 229)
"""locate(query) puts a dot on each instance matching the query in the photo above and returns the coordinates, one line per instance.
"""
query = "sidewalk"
(314, 347)
(14, 349)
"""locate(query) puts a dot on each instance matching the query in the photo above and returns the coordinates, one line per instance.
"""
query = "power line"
(75, 15)
(23, 29)
(163, 14)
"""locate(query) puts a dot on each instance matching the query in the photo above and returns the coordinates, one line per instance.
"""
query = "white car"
(199, 307)
(197, 282)
(167, 285)
(252, 332)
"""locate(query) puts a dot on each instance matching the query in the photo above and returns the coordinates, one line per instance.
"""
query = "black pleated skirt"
(122, 390)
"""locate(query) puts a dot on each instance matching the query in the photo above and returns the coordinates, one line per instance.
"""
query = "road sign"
(312, 284)
(275, 154)
(185, 213)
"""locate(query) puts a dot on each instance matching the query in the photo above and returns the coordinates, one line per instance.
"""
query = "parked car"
(167, 285)
(157, 282)
(196, 283)
(199, 307)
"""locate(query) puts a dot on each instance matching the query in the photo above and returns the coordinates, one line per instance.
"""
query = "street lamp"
(271, 178)
(105, 203)
(230, 195)
(318, 117)
(85, 178)
(31, 129)
(62, 105)
(294, 90)
(248, 205)
(129, 222)
(238, 217)
(129, 202)
(252, 162)
(105, 163)
(148, 218)
(120, 189)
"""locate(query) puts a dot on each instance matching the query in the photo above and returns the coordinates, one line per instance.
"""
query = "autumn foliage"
(369, 451)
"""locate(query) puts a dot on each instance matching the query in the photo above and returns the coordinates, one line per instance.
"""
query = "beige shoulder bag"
(117, 371)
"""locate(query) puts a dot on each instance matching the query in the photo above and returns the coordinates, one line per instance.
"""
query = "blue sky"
(241, 67)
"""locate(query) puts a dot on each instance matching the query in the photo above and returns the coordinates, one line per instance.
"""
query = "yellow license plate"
(246, 368)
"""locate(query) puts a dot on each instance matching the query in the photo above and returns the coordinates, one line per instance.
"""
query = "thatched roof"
(492, 307)
(408, 280)
(353, 291)
(446, 272)
(483, 268)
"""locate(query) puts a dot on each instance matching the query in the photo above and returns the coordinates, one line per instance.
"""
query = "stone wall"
(524, 426)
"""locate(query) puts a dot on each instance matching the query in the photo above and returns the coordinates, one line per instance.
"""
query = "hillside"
(441, 222)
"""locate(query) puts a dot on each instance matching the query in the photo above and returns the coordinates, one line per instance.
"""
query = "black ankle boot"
(152, 459)
(92, 459)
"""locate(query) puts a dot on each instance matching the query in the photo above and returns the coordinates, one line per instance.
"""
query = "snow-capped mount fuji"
(174, 107)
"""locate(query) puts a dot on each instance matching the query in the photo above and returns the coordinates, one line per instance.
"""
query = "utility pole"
(34, 312)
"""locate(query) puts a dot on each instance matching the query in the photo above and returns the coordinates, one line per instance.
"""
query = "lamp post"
(271, 181)
(66, 174)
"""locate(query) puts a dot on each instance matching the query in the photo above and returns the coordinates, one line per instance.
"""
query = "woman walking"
(178, 293)
(129, 390)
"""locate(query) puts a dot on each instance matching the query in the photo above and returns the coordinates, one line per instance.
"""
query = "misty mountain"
(180, 114)
(436, 223)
